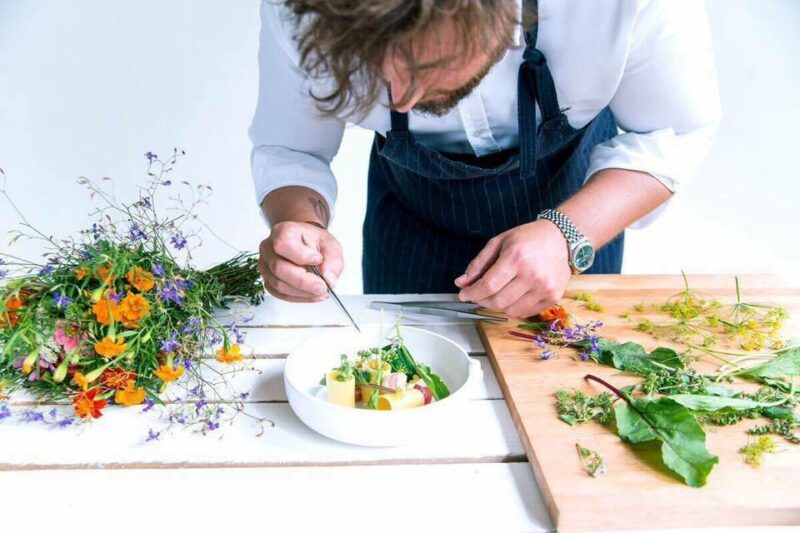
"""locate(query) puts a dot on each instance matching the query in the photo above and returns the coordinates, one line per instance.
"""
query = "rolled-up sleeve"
(293, 143)
(667, 102)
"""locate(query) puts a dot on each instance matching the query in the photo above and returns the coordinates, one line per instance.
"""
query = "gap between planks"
(492, 459)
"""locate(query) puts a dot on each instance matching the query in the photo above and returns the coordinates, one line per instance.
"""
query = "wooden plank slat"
(635, 492)
(445, 497)
(479, 431)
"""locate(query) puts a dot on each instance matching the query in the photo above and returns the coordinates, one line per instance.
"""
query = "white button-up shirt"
(650, 61)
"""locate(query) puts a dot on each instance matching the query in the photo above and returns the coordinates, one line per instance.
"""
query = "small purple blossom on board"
(61, 301)
(152, 435)
(5, 412)
(539, 341)
(151, 156)
(178, 241)
(158, 270)
(547, 355)
(171, 344)
(585, 356)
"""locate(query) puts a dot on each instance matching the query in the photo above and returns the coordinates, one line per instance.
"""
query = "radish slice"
(426, 393)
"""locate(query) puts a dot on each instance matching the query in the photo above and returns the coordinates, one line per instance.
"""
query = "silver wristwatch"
(581, 251)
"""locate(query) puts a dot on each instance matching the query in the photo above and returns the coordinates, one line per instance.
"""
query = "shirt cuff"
(669, 157)
(275, 167)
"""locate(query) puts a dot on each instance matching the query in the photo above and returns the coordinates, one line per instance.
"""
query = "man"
(498, 167)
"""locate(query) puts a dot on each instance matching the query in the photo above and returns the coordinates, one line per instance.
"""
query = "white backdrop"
(88, 86)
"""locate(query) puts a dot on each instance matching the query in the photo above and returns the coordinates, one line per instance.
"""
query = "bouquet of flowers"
(116, 315)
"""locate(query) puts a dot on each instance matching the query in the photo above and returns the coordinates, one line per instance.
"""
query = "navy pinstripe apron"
(430, 213)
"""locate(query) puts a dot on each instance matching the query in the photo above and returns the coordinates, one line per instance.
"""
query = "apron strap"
(534, 84)
(399, 120)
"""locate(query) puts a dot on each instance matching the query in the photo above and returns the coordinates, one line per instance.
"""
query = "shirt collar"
(516, 39)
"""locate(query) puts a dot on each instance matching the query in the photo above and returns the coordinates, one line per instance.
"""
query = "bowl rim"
(373, 412)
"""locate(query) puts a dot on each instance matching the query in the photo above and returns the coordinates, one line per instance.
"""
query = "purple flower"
(52, 413)
(64, 422)
(199, 405)
(116, 297)
(158, 269)
(593, 343)
(46, 270)
(212, 426)
(146, 201)
(170, 293)
(198, 391)
(148, 404)
(184, 284)
(585, 356)
(178, 241)
(548, 354)
(151, 435)
(244, 395)
(166, 183)
(31, 415)
(187, 363)
(3, 273)
(235, 331)
(569, 334)
(192, 325)
(2, 261)
(171, 344)
(135, 233)
(5, 412)
(554, 326)
(84, 254)
(151, 156)
(539, 341)
(61, 301)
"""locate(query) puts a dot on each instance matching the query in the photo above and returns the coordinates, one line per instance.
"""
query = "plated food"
(430, 354)
(383, 378)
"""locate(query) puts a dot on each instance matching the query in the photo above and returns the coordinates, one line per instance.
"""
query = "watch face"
(583, 256)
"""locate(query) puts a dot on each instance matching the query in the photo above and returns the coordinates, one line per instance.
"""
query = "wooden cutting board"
(637, 491)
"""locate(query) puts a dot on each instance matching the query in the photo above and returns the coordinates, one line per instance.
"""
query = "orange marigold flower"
(168, 373)
(86, 406)
(229, 356)
(80, 380)
(104, 309)
(10, 318)
(141, 279)
(117, 378)
(556, 314)
(130, 395)
(132, 309)
(104, 274)
(110, 348)
(81, 273)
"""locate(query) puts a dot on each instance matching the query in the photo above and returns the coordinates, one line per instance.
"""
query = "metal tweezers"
(457, 309)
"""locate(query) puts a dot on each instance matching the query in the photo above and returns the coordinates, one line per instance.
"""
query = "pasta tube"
(341, 392)
(402, 399)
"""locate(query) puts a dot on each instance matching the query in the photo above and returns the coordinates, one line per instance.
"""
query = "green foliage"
(577, 407)
(683, 441)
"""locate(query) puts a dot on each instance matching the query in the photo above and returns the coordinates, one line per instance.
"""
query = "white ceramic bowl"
(306, 365)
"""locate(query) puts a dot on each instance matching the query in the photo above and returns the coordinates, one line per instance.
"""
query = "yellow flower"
(132, 309)
(110, 348)
(167, 373)
(104, 309)
(130, 395)
(81, 273)
(229, 356)
(140, 279)
(80, 380)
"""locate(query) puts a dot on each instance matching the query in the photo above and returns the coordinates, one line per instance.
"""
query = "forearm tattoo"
(320, 209)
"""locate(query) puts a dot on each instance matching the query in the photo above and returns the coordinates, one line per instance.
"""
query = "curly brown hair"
(346, 41)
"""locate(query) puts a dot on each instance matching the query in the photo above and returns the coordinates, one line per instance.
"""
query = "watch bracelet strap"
(571, 233)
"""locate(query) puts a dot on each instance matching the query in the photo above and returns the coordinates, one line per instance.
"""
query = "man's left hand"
(520, 272)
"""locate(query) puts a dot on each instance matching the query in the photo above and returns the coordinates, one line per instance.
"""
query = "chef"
(515, 141)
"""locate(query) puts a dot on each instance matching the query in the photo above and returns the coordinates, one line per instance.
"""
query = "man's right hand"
(285, 255)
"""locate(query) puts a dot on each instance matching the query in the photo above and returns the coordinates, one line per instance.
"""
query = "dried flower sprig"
(593, 462)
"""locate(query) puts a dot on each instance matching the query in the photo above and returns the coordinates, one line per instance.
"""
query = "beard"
(445, 103)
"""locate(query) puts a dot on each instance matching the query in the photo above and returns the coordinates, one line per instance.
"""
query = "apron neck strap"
(399, 120)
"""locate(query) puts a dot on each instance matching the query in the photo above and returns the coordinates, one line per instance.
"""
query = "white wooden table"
(473, 475)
